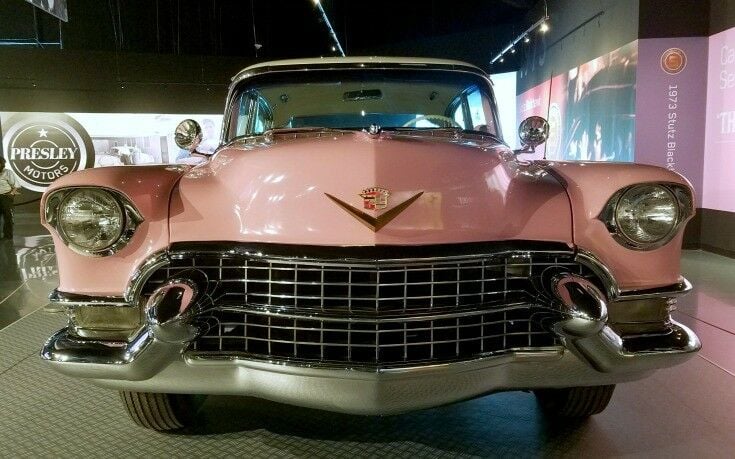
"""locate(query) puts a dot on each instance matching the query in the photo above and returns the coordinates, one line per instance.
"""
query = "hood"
(358, 189)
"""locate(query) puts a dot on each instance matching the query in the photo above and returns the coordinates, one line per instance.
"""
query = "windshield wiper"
(457, 130)
(286, 130)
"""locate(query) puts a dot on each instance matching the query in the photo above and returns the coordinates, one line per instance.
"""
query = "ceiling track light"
(541, 24)
(337, 47)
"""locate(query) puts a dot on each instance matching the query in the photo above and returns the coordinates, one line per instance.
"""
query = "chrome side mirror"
(533, 131)
(188, 135)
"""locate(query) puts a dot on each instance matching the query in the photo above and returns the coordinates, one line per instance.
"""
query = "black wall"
(675, 18)
(721, 15)
(84, 81)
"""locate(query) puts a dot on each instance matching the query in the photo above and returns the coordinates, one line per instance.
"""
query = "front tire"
(161, 412)
(575, 402)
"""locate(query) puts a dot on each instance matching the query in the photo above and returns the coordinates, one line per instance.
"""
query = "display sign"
(590, 109)
(41, 147)
(53, 7)
(719, 158)
(670, 108)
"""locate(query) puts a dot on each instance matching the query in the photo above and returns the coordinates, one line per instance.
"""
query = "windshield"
(357, 98)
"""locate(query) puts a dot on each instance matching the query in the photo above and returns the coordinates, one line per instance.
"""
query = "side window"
(477, 110)
(470, 110)
(262, 117)
(253, 116)
(458, 115)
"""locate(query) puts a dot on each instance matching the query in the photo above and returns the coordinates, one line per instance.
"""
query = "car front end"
(367, 271)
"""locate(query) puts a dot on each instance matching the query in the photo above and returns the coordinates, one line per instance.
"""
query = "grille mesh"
(406, 340)
(374, 312)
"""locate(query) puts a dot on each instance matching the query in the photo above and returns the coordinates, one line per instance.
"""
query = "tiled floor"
(684, 411)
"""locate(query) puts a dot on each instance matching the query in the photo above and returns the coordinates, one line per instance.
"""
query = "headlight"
(647, 216)
(92, 221)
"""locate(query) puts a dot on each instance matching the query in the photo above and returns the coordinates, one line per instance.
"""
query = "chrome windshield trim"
(247, 74)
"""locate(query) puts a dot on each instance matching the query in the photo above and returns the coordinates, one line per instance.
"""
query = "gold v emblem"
(375, 223)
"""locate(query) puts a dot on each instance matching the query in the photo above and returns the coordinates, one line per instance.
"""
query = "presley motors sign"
(42, 147)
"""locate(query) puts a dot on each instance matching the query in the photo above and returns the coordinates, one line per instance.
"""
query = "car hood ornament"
(375, 198)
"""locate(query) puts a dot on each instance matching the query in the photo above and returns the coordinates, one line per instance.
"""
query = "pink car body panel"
(149, 189)
(276, 194)
(590, 185)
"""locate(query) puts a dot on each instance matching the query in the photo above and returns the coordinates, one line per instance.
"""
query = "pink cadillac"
(363, 241)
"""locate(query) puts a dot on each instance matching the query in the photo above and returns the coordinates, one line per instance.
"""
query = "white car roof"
(372, 60)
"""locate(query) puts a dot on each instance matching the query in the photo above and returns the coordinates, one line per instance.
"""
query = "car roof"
(355, 61)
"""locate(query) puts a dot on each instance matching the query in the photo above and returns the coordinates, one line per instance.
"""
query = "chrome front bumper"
(157, 361)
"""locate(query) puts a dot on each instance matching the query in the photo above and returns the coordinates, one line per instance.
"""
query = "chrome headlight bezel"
(130, 215)
(682, 198)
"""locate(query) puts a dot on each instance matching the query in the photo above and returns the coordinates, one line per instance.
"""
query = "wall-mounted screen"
(590, 109)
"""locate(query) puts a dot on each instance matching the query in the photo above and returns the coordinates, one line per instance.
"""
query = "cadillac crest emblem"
(375, 198)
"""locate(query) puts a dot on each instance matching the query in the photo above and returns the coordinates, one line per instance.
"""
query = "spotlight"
(544, 27)
(526, 39)
(334, 48)
(502, 59)
(512, 50)
(316, 2)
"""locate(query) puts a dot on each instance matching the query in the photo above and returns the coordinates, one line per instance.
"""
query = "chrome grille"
(404, 340)
(382, 287)
(373, 311)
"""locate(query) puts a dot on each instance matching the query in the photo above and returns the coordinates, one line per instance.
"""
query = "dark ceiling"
(284, 28)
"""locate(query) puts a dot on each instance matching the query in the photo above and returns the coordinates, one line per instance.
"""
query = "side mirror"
(533, 131)
(188, 135)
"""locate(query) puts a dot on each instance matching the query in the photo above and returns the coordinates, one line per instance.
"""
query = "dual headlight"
(92, 221)
(647, 216)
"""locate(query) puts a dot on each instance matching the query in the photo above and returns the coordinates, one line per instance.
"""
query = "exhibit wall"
(41, 147)
(590, 109)
(718, 175)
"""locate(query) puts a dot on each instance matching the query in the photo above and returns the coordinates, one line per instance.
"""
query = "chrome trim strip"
(603, 272)
(524, 354)
(668, 291)
(383, 320)
(146, 357)
(74, 299)
(366, 262)
(613, 291)
(142, 273)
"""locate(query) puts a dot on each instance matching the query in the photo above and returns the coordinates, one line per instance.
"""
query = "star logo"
(43, 133)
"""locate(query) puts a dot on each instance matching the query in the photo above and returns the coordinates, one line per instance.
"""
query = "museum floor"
(684, 411)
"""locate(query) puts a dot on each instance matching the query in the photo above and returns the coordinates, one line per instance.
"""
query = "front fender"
(149, 189)
(590, 185)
